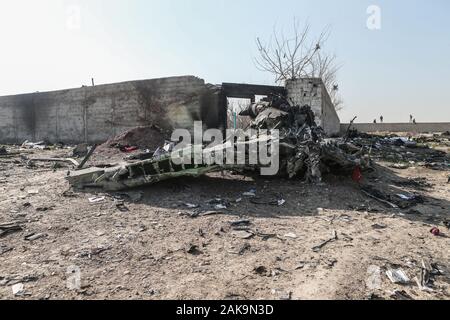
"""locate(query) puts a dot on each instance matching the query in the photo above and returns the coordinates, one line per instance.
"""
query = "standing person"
(381, 119)
(411, 118)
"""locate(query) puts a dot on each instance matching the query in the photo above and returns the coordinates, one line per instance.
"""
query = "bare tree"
(299, 57)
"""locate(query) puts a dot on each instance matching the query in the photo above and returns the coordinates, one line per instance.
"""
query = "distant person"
(375, 121)
(414, 121)
(411, 118)
(381, 119)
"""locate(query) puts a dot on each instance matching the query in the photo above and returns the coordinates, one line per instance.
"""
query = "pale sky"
(400, 69)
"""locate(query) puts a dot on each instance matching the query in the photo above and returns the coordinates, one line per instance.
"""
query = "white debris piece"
(397, 276)
(18, 289)
(97, 199)
(405, 197)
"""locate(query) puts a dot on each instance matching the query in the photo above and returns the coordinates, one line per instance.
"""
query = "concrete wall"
(94, 114)
(399, 127)
(312, 92)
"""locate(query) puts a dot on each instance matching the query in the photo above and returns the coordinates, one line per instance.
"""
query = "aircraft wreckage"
(302, 152)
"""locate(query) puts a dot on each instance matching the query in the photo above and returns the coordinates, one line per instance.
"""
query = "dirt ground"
(155, 246)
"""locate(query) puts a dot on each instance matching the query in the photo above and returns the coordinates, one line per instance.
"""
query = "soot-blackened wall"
(94, 114)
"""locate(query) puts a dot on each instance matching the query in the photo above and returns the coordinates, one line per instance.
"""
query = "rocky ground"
(292, 241)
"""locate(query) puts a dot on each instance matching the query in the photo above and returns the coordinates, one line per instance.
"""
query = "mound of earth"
(135, 140)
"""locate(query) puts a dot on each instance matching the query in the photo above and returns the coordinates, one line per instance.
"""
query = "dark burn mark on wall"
(42, 115)
(90, 101)
(31, 109)
(210, 110)
(26, 114)
(155, 105)
(149, 102)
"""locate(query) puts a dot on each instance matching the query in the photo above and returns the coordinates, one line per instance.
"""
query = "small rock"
(240, 223)
(242, 234)
(401, 295)
(378, 226)
(261, 270)
(194, 250)
(35, 236)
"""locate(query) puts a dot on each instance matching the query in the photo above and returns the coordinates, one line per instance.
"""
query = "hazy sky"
(400, 69)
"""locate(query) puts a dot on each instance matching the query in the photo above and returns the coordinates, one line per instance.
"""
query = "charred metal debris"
(304, 152)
